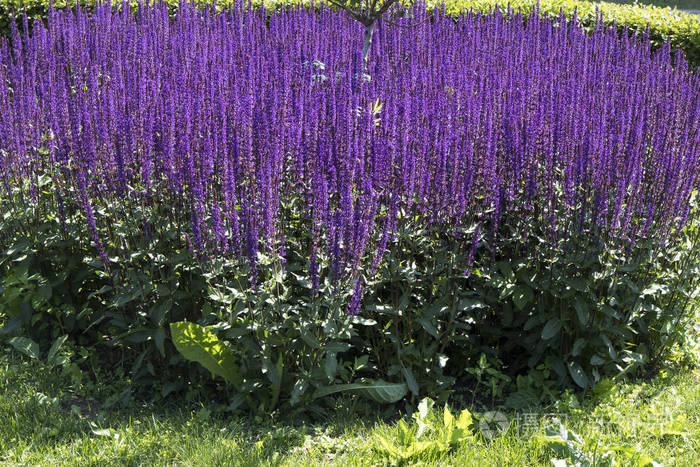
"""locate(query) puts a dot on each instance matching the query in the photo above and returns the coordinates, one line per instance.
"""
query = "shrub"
(660, 24)
(524, 194)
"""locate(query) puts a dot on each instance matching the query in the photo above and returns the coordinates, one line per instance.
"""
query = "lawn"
(48, 419)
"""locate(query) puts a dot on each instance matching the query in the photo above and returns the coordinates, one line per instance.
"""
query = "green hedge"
(665, 24)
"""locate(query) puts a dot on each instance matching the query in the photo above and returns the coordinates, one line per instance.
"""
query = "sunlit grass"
(659, 418)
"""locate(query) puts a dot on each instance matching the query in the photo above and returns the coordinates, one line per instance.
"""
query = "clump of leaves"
(427, 435)
(573, 451)
(200, 344)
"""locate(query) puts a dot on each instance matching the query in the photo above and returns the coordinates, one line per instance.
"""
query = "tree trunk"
(369, 31)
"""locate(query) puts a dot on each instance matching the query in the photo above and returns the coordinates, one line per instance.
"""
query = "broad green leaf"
(410, 381)
(361, 362)
(379, 390)
(275, 377)
(505, 269)
(523, 399)
(458, 436)
(310, 339)
(337, 347)
(465, 420)
(428, 326)
(551, 329)
(468, 304)
(507, 290)
(363, 321)
(578, 375)
(579, 344)
(11, 326)
(531, 322)
(55, 347)
(597, 360)
(46, 291)
(404, 432)
(25, 345)
(576, 283)
(448, 418)
(159, 339)
(419, 448)
(557, 365)
(105, 432)
(425, 407)
(330, 366)
(611, 348)
(298, 390)
(522, 296)
(200, 345)
(582, 311)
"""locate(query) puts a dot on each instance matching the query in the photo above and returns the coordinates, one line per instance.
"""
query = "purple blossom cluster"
(454, 123)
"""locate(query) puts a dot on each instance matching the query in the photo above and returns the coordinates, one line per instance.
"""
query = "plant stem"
(369, 32)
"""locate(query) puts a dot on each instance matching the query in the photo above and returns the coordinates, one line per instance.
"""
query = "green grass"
(660, 418)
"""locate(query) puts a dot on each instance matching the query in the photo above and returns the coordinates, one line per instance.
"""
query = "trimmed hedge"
(664, 24)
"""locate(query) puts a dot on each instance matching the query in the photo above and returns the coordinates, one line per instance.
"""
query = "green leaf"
(55, 347)
(522, 296)
(522, 399)
(576, 283)
(200, 345)
(597, 360)
(330, 366)
(410, 381)
(310, 339)
(425, 408)
(361, 362)
(159, 339)
(465, 420)
(578, 375)
(298, 390)
(274, 374)
(468, 304)
(579, 344)
(506, 270)
(557, 365)
(428, 326)
(337, 347)
(363, 321)
(531, 322)
(46, 291)
(551, 329)
(11, 326)
(105, 432)
(158, 311)
(447, 418)
(377, 390)
(582, 311)
(25, 345)
(611, 348)
(507, 290)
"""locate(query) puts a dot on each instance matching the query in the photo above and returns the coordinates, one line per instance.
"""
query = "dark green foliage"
(539, 314)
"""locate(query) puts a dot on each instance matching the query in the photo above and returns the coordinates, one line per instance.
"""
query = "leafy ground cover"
(47, 418)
